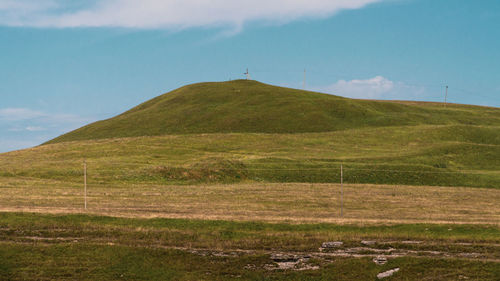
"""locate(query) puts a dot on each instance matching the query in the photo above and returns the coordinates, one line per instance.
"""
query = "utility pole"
(446, 96)
(341, 191)
(85, 183)
(304, 84)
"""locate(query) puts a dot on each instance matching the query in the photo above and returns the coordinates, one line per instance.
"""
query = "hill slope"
(251, 107)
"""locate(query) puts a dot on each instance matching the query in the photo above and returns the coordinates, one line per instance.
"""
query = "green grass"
(246, 131)
(98, 262)
(227, 150)
(251, 107)
(230, 234)
(438, 155)
(81, 247)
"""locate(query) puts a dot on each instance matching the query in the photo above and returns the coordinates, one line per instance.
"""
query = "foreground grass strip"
(100, 262)
(228, 234)
(84, 247)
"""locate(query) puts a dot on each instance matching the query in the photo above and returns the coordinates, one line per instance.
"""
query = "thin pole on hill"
(304, 83)
(341, 191)
(85, 183)
(445, 96)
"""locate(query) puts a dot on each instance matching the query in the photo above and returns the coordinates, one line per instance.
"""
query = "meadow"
(438, 155)
(242, 180)
(83, 247)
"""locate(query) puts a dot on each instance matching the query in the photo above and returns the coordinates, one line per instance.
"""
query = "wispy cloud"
(29, 129)
(15, 144)
(17, 114)
(25, 127)
(377, 87)
(174, 14)
(25, 114)
(35, 129)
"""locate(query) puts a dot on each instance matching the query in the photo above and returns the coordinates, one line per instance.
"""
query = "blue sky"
(65, 65)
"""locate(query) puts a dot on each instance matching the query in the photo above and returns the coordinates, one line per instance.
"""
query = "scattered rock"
(284, 258)
(297, 266)
(380, 260)
(469, 255)
(329, 245)
(287, 265)
(411, 242)
(387, 273)
(306, 267)
(287, 261)
(250, 266)
(220, 254)
(368, 243)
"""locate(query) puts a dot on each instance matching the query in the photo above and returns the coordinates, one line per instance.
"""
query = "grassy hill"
(251, 107)
(245, 131)
(237, 165)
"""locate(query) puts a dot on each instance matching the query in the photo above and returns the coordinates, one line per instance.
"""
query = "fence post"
(341, 191)
(85, 183)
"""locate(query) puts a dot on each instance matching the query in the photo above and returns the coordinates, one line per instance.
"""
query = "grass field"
(81, 247)
(417, 155)
(240, 180)
(297, 203)
(245, 131)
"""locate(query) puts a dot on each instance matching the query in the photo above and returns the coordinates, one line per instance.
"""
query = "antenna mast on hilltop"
(247, 74)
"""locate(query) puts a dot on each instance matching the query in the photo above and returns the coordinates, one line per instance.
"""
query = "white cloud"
(26, 6)
(377, 87)
(34, 128)
(165, 13)
(28, 128)
(24, 114)
(17, 114)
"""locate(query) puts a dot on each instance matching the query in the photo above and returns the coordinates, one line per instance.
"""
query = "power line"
(412, 84)
(475, 94)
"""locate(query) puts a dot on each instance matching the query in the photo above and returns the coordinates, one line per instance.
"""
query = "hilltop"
(245, 106)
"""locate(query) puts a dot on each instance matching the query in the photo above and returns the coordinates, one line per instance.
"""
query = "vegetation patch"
(209, 171)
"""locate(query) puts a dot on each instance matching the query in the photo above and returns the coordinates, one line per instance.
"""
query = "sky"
(64, 64)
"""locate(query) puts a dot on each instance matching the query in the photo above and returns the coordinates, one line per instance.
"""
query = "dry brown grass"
(262, 202)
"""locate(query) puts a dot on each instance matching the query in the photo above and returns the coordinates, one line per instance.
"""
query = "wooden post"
(341, 191)
(85, 183)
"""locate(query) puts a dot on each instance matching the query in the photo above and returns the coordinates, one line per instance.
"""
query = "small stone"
(411, 242)
(334, 244)
(284, 258)
(380, 260)
(250, 266)
(368, 243)
(387, 273)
